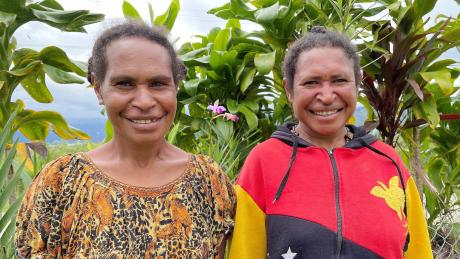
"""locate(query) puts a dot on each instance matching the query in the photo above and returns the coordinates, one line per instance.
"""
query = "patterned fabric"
(73, 210)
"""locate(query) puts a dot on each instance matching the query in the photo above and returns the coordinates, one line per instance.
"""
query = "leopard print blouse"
(73, 210)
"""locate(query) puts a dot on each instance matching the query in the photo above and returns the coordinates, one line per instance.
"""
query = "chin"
(328, 131)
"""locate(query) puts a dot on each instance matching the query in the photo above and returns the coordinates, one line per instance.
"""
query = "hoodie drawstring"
(288, 171)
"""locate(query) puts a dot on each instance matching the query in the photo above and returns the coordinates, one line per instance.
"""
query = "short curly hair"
(97, 63)
(319, 37)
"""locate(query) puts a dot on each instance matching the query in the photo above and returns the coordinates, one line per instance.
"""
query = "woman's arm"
(33, 222)
(249, 239)
(419, 245)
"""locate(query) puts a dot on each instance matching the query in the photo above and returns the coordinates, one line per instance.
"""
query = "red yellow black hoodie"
(358, 201)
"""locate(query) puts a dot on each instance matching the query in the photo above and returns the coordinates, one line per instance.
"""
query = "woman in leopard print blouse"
(136, 196)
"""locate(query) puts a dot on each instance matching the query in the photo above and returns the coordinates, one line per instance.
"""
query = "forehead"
(136, 51)
(137, 57)
(324, 59)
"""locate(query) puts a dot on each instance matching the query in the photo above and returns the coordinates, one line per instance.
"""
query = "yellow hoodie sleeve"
(419, 245)
(249, 239)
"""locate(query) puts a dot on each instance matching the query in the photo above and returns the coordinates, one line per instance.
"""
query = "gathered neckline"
(134, 189)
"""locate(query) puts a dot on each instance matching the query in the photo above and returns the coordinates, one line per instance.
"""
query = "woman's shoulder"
(56, 167)
(393, 154)
(55, 171)
(385, 148)
(205, 164)
(208, 168)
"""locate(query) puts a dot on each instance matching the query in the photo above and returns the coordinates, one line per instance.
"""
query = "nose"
(143, 98)
(326, 93)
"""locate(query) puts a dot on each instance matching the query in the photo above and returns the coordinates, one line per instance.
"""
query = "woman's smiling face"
(138, 91)
(324, 92)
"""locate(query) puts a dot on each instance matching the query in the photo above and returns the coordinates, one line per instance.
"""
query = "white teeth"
(326, 113)
(143, 121)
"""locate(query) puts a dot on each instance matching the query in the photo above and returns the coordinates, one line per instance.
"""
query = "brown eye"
(124, 84)
(310, 83)
(340, 81)
(157, 84)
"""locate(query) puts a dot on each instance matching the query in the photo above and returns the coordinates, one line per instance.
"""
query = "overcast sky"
(77, 101)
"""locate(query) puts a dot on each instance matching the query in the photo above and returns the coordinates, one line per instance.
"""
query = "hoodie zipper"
(337, 203)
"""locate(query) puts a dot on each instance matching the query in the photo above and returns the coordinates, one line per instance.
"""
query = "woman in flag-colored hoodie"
(321, 188)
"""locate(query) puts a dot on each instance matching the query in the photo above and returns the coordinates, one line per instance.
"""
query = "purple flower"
(232, 117)
(216, 109)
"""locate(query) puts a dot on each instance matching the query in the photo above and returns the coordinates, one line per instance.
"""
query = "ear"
(287, 90)
(97, 88)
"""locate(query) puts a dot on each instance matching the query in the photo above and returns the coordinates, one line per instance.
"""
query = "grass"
(59, 149)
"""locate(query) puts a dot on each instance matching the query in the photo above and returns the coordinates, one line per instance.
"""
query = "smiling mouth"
(145, 121)
(326, 113)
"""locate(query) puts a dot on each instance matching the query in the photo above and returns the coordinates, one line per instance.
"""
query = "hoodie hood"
(360, 135)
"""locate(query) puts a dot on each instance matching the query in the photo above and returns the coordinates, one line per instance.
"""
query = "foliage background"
(409, 87)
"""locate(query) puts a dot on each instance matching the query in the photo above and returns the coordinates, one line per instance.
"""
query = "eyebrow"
(130, 78)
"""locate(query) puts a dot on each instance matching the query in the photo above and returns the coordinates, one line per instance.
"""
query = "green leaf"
(267, 15)
(168, 18)
(263, 3)
(7, 221)
(434, 170)
(212, 34)
(193, 99)
(264, 62)
(440, 65)
(108, 131)
(175, 130)
(60, 76)
(151, 16)
(55, 120)
(64, 20)
(224, 129)
(251, 104)
(248, 77)
(442, 78)
(6, 192)
(193, 54)
(220, 59)
(24, 56)
(233, 23)
(422, 7)
(241, 9)
(130, 12)
(427, 110)
(452, 34)
(191, 86)
(250, 116)
(232, 105)
(23, 71)
(35, 86)
(225, 11)
(35, 130)
(52, 4)
(56, 57)
(7, 19)
(10, 6)
(222, 39)
(7, 161)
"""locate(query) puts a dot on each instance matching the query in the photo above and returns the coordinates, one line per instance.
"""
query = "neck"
(328, 142)
(140, 154)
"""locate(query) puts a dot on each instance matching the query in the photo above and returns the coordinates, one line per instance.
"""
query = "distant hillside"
(95, 127)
